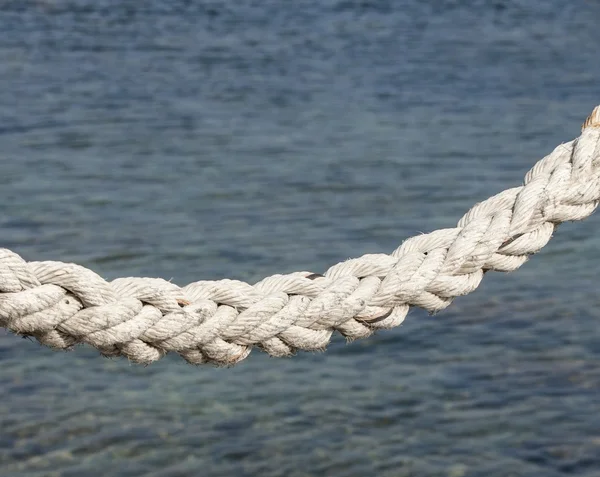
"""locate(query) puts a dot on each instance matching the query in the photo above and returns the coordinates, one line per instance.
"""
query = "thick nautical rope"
(219, 322)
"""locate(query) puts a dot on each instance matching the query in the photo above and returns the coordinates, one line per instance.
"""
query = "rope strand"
(219, 322)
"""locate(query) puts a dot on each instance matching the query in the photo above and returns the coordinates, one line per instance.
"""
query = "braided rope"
(63, 304)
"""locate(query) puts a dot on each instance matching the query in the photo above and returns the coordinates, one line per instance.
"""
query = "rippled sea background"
(238, 139)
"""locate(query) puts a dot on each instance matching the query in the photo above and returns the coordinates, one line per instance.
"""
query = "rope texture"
(219, 322)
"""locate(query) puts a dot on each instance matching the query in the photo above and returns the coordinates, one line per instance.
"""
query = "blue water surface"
(217, 139)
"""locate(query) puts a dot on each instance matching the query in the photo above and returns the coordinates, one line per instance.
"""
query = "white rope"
(62, 304)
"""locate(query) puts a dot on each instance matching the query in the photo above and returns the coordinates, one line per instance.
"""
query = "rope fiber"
(219, 322)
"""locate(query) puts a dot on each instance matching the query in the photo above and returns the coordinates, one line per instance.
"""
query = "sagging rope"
(219, 322)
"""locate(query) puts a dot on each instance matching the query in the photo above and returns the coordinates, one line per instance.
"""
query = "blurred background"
(238, 139)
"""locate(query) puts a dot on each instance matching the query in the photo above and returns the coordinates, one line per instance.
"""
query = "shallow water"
(203, 140)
